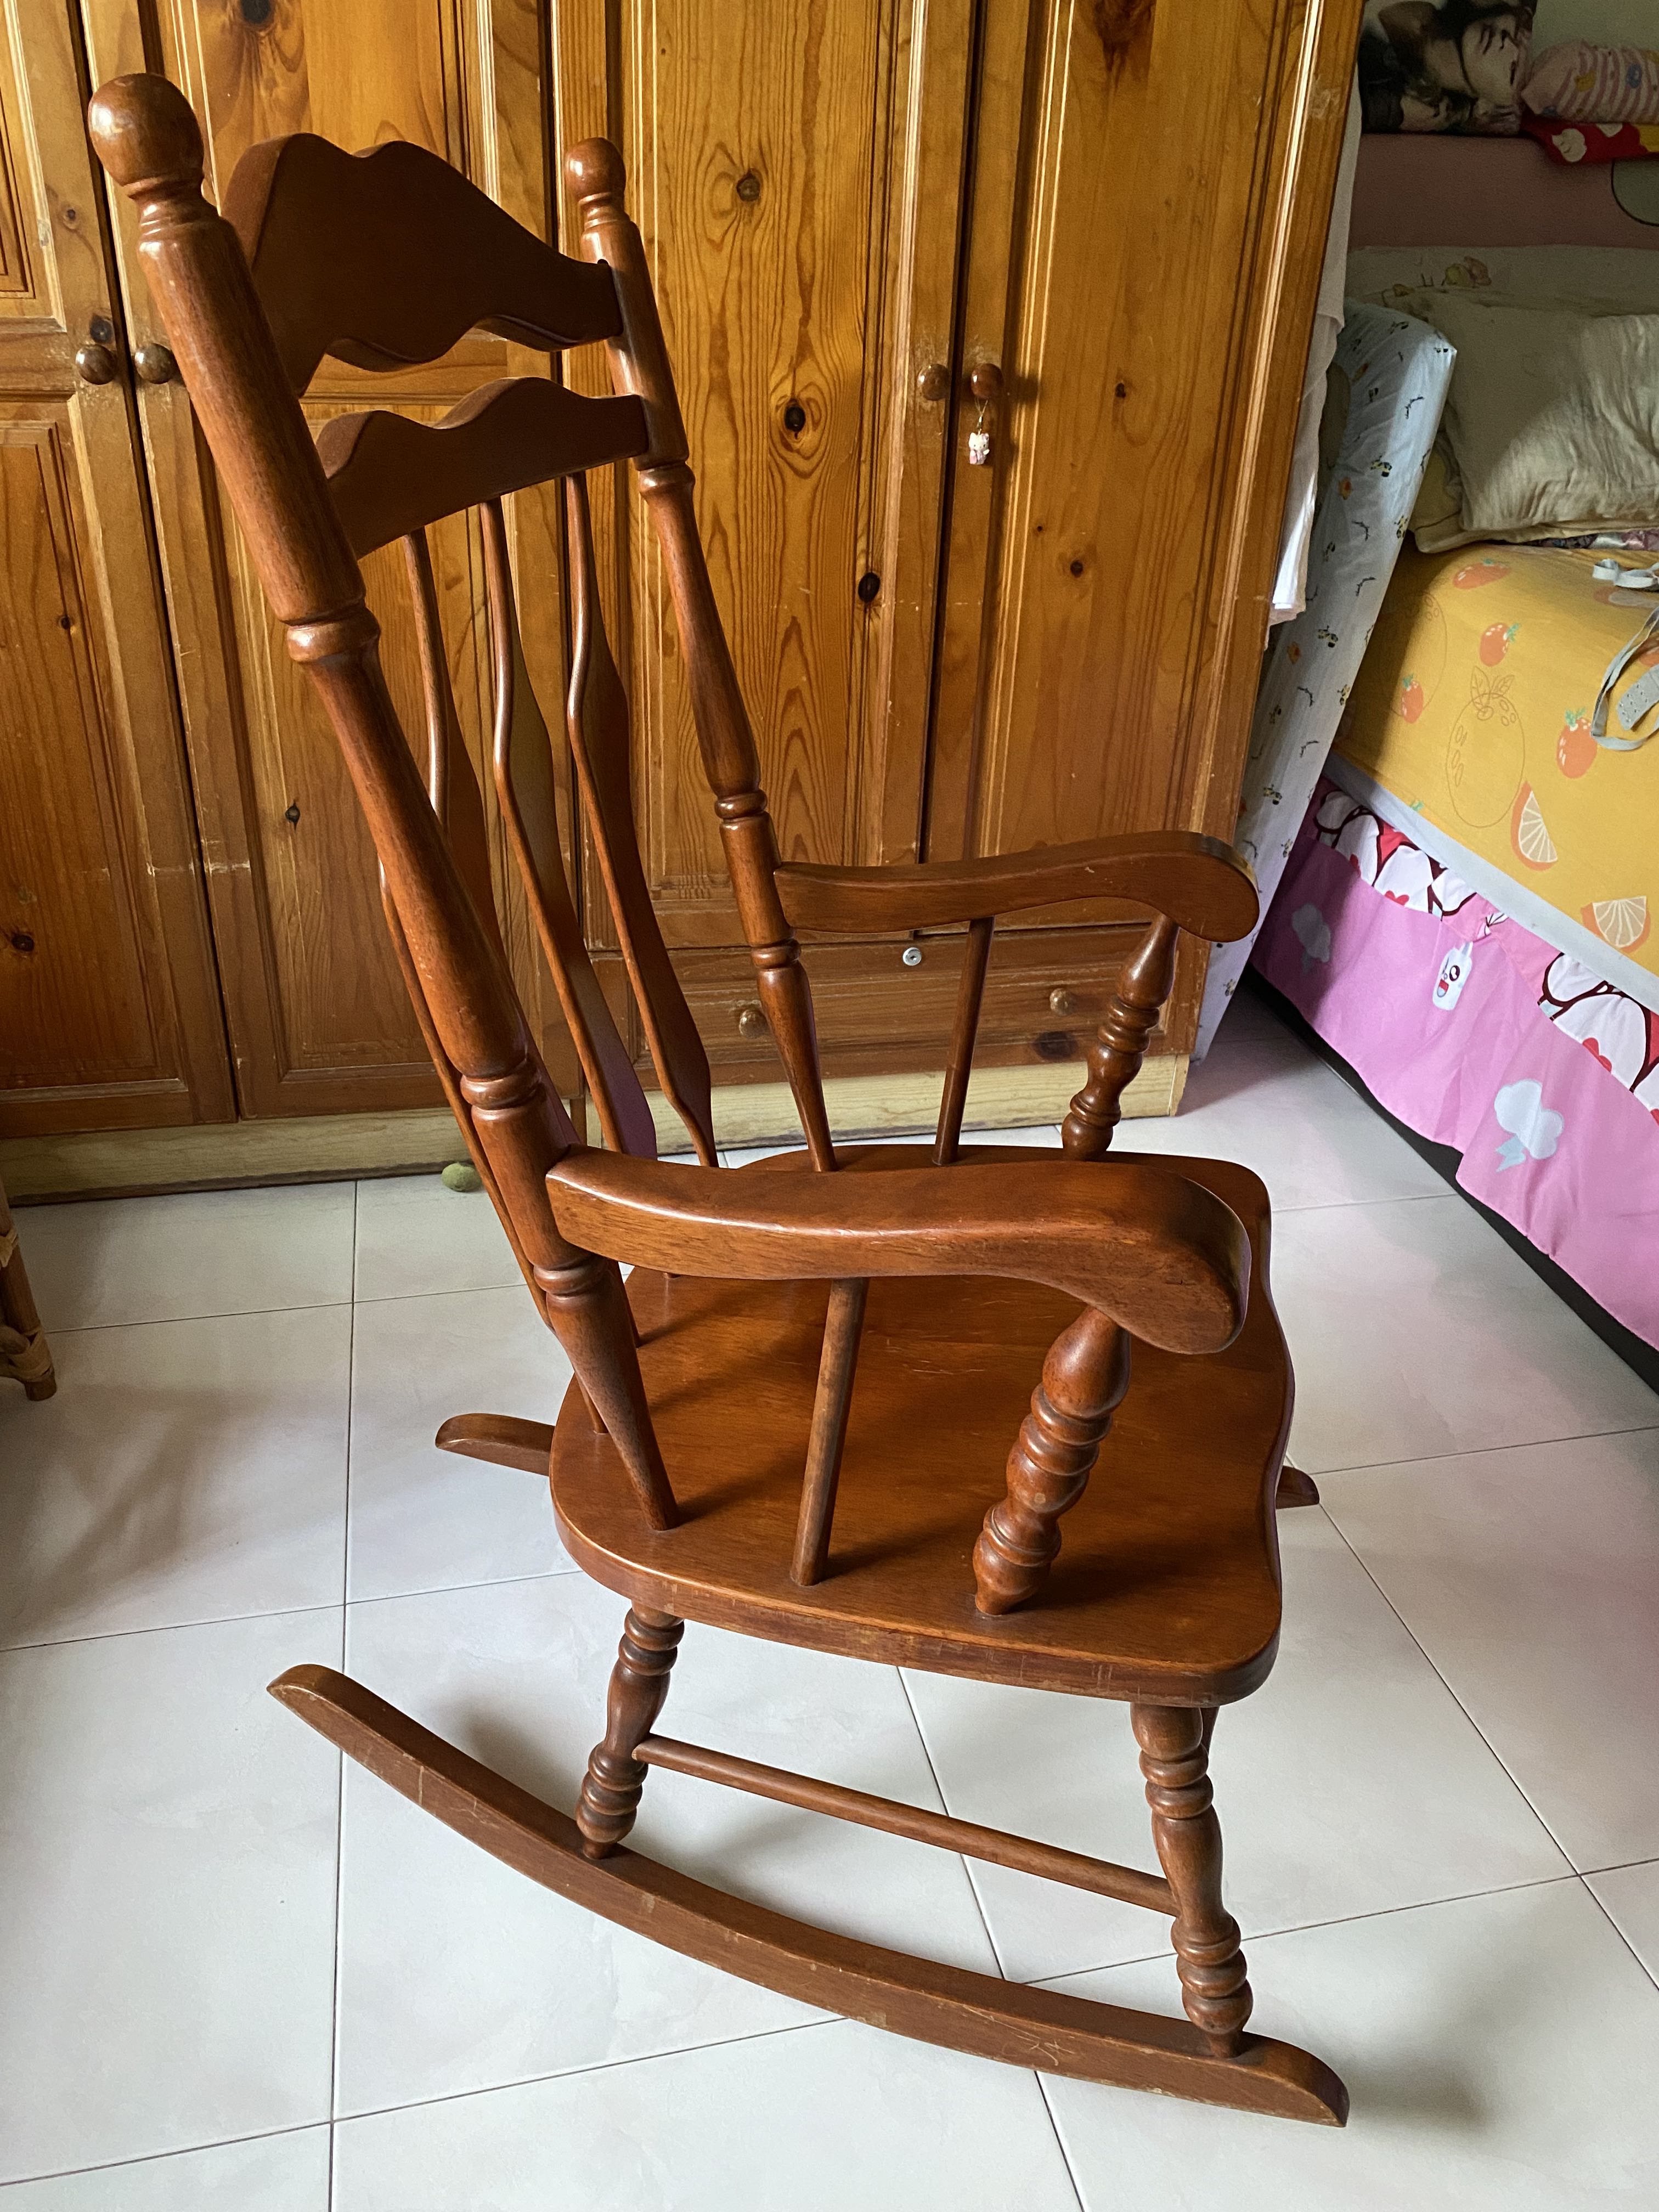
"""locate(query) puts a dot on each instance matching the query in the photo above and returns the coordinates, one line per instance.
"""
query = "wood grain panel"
(317, 1008)
(877, 1017)
(108, 1007)
(1161, 305)
(75, 1005)
(16, 262)
(766, 303)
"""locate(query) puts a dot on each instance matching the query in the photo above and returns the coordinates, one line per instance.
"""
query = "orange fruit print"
(1621, 922)
(1496, 640)
(1576, 749)
(1480, 572)
(1413, 700)
(1531, 840)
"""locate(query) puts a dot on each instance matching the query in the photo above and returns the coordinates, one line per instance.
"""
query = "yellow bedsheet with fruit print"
(1474, 709)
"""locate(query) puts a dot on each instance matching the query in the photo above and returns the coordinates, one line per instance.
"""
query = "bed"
(1465, 912)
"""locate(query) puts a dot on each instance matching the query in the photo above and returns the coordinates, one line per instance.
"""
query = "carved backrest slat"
(596, 718)
(523, 764)
(452, 786)
(389, 474)
(388, 258)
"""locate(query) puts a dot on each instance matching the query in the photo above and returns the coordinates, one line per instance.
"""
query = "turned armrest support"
(1164, 1258)
(1195, 881)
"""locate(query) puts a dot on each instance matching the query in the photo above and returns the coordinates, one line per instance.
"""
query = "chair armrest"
(1161, 1256)
(1195, 881)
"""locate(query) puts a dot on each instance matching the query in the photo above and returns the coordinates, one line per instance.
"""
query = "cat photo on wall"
(1456, 65)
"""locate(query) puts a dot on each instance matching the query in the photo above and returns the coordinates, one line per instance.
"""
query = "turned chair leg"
(1084, 1379)
(1173, 1743)
(615, 1781)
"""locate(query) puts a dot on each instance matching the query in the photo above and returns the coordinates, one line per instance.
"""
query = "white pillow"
(1554, 415)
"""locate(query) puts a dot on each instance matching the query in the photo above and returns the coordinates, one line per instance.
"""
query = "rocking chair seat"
(1167, 1586)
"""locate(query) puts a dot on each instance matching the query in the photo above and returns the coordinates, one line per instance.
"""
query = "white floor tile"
(1528, 1577)
(271, 2173)
(826, 2119)
(1416, 1333)
(457, 1974)
(1500, 2052)
(185, 1470)
(1350, 1783)
(1631, 1894)
(102, 1261)
(423, 1519)
(168, 1888)
(1262, 1098)
(415, 1236)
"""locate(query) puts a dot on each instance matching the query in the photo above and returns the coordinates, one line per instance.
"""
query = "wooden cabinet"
(318, 1016)
(109, 1013)
(1121, 207)
(850, 205)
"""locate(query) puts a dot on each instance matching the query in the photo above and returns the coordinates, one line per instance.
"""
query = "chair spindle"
(970, 991)
(1084, 1379)
(639, 365)
(843, 1325)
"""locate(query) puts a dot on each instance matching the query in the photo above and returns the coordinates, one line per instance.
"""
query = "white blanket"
(1397, 371)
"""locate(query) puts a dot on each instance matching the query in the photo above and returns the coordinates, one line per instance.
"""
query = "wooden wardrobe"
(1090, 229)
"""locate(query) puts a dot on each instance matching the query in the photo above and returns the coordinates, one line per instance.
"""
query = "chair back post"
(148, 139)
(1121, 1043)
(638, 362)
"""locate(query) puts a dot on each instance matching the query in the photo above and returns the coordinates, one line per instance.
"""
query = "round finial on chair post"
(594, 171)
(145, 133)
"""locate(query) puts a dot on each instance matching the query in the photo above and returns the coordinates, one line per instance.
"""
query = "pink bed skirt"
(1477, 1033)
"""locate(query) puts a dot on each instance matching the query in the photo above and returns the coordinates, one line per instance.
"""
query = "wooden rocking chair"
(772, 1429)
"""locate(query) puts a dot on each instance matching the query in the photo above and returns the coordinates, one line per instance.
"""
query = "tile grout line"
(339, 1800)
(967, 1866)
(599, 2066)
(280, 1611)
(1503, 1764)
(1569, 1873)
(1652, 1974)
(1476, 1451)
(157, 2157)
(1060, 2141)
(173, 1321)
(961, 1860)
(175, 1627)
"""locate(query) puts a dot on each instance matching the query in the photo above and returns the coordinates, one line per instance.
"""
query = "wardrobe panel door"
(318, 1011)
(1168, 216)
(108, 1008)
(796, 173)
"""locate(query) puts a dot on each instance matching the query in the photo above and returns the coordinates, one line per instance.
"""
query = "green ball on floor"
(461, 1175)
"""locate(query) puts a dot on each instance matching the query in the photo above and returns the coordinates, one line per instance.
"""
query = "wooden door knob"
(94, 363)
(985, 382)
(933, 382)
(752, 1021)
(155, 364)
